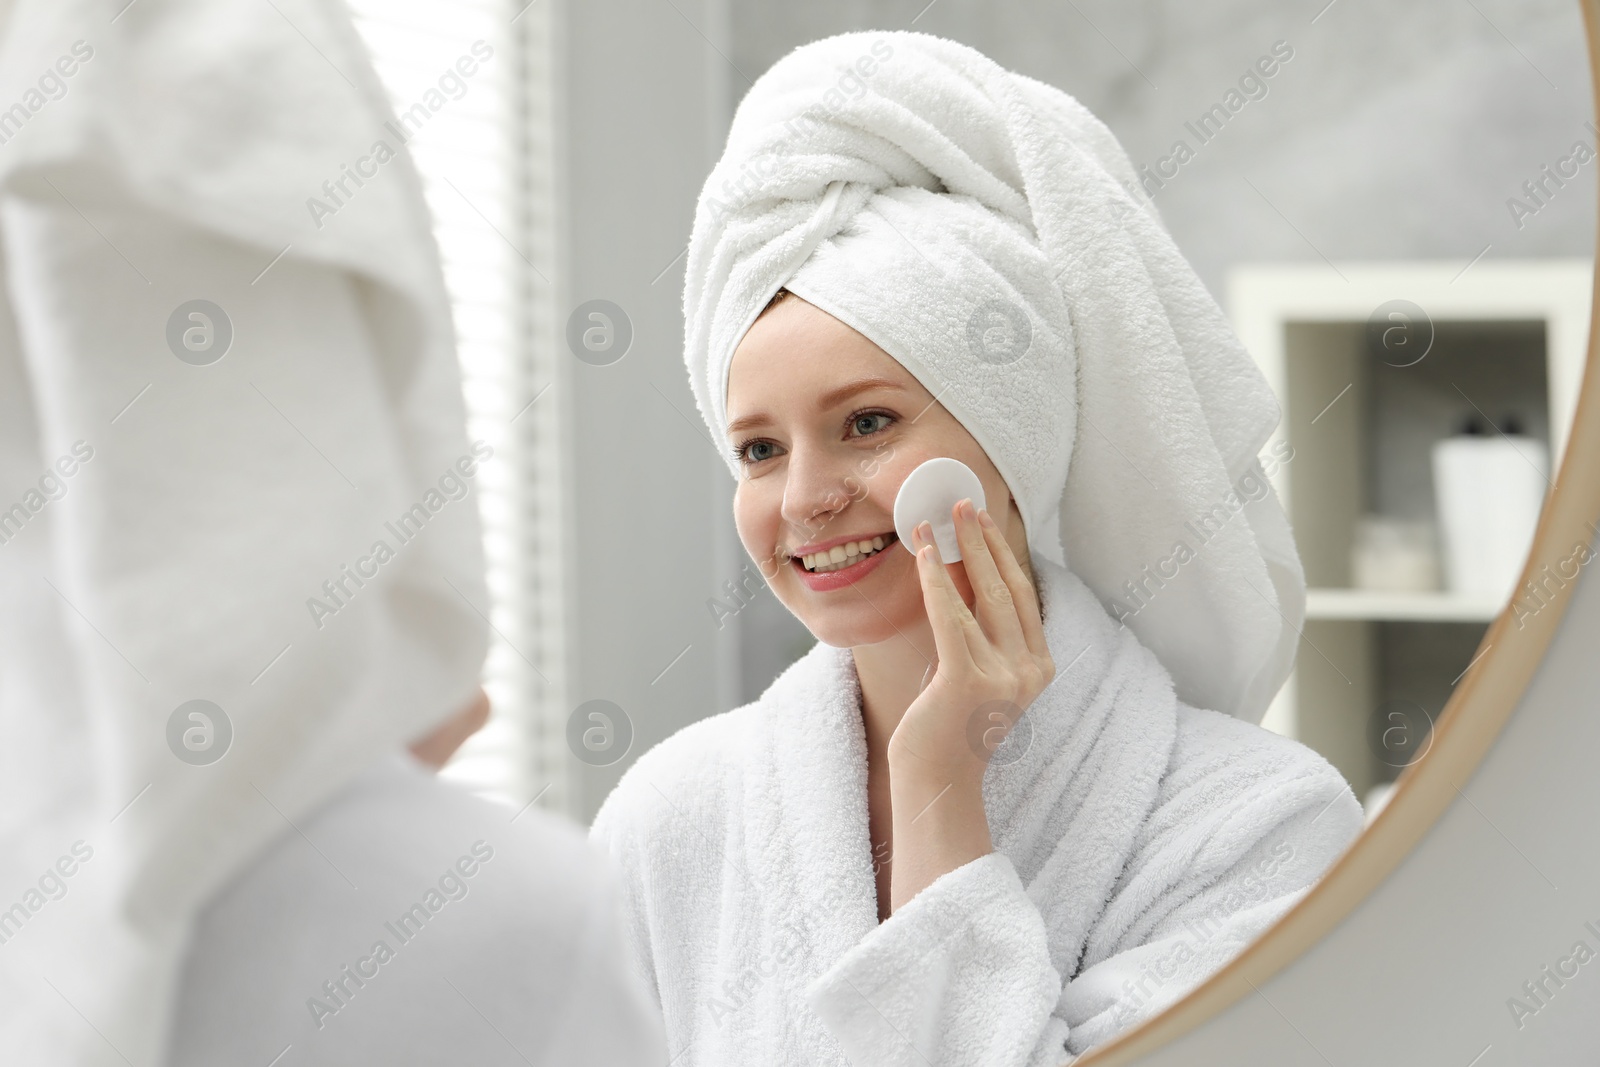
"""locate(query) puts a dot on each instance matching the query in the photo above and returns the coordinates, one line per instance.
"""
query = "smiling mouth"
(839, 557)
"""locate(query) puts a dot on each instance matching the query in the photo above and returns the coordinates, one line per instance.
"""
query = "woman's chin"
(854, 625)
(840, 637)
(885, 602)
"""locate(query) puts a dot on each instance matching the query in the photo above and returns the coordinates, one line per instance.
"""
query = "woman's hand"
(993, 662)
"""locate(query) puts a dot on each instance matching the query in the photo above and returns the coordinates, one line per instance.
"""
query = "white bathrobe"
(1139, 844)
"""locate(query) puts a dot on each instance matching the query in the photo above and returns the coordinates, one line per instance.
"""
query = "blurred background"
(1409, 178)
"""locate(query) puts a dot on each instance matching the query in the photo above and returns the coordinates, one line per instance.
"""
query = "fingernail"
(924, 532)
(964, 507)
(985, 518)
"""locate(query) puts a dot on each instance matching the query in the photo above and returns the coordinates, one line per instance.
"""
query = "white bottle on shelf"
(1488, 490)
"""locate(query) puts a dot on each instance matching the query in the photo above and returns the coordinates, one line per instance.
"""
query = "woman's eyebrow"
(850, 389)
(743, 422)
(829, 399)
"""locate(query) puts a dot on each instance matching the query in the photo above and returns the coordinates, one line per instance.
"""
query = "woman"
(908, 252)
(207, 819)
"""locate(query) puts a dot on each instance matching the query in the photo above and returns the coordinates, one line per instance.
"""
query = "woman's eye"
(755, 451)
(869, 423)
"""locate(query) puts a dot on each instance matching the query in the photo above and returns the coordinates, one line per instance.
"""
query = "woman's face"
(826, 425)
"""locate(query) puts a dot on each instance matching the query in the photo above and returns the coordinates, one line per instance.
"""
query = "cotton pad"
(929, 493)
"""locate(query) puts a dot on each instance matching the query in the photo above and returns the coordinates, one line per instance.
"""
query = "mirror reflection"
(1423, 342)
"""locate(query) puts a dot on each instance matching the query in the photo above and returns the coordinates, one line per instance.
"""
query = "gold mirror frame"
(1468, 726)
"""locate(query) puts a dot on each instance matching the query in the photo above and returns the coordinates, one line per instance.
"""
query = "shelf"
(1377, 606)
(1507, 337)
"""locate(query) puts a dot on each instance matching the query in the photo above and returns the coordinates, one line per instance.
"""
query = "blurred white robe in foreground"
(474, 935)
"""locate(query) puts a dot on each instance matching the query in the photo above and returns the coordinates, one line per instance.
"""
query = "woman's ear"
(438, 746)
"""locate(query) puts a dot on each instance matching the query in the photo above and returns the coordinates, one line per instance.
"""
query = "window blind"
(482, 143)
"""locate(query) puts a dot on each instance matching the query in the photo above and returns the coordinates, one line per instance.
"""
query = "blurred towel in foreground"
(233, 471)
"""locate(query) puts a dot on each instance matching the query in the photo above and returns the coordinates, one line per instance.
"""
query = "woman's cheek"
(757, 520)
(893, 469)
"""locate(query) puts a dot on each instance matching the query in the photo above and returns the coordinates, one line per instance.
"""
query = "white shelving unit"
(1399, 607)
(1353, 423)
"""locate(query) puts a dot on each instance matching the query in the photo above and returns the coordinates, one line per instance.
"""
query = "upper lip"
(823, 546)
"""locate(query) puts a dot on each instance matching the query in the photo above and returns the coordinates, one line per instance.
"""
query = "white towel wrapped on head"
(977, 225)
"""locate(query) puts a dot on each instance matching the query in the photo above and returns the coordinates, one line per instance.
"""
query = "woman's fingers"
(997, 607)
(1022, 591)
(954, 628)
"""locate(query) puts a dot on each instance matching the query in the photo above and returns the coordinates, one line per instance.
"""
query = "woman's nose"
(816, 490)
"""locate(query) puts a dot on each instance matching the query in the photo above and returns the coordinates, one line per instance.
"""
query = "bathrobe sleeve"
(961, 974)
(964, 973)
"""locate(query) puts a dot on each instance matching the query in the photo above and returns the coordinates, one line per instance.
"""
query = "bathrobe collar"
(1090, 754)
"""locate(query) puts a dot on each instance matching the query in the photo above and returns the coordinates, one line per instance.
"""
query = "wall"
(642, 100)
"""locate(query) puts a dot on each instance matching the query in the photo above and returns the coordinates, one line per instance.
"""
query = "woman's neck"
(891, 674)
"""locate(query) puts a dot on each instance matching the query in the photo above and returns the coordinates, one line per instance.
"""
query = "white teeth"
(841, 556)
